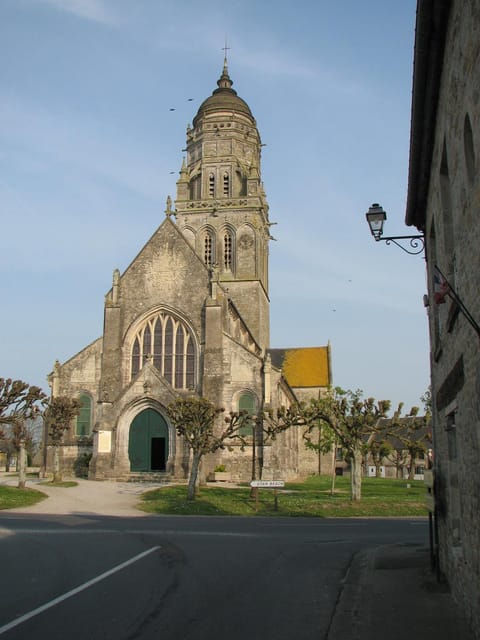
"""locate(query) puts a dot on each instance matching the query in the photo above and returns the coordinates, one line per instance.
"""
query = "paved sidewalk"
(390, 592)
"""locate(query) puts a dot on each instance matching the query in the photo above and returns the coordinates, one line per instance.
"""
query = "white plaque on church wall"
(104, 441)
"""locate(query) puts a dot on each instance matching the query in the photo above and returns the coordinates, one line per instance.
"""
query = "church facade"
(190, 317)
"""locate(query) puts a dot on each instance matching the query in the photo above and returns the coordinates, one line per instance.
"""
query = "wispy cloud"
(263, 54)
(99, 178)
(93, 10)
(77, 143)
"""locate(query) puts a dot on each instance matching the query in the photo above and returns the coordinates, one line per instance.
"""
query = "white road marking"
(73, 592)
(266, 533)
(153, 532)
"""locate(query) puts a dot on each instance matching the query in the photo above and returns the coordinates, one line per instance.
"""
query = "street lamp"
(376, 216)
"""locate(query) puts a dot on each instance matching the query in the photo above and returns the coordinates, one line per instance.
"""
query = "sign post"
(267, 484)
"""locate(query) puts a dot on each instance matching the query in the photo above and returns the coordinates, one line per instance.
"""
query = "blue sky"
(89, 151)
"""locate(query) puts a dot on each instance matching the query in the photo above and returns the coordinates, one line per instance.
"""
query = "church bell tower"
(221, 207)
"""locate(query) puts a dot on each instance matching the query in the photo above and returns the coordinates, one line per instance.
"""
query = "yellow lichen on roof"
(307, 367)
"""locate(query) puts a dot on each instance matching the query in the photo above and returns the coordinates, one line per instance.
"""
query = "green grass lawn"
(380, 498)
(12, 497)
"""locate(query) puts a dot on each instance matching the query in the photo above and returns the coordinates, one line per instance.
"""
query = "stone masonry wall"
(453, 241)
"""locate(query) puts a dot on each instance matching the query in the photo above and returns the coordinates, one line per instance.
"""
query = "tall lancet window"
(136, 357)
(211, 185)
(227, 251)
(226, 184)
(168, 343)
(208, 249)
(84, 418)
(196, 187)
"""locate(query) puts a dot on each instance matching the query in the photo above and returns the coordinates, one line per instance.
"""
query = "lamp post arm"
(417, 243)
(376, 216)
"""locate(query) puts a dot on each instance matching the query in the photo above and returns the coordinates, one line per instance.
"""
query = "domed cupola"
(223, 153)
(221, 207)
(223, 99)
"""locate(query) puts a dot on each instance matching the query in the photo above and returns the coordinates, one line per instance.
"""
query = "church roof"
(223, 99)
(303, 367)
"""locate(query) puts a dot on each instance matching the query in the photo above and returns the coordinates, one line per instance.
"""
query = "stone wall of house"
(453, 241)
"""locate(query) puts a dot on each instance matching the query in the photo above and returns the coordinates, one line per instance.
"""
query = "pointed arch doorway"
(148, 442)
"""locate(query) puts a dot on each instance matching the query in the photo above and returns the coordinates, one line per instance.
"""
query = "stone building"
(444, 202)
(190, 316)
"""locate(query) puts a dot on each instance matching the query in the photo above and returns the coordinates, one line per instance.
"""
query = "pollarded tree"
(324, 442)
(410, 435)
(20, 403)
(350, 417)
(379, 450)
(7, 448)
(264, 427)
(58, 416)
(195, 420)
(18, 398)
(416, 440)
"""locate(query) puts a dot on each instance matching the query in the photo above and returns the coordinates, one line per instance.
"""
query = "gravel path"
(89, 497)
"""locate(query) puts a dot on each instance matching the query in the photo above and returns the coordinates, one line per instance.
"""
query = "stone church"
(190, 316)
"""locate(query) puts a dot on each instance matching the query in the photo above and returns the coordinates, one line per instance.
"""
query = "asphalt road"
(180, 578)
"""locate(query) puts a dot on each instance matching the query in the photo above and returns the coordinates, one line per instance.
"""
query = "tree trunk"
(356, 475)
(57, 475)
(319, 450)
(22, 465)
(192, 480)
(411, 474)
(334, 458)
(254, 490)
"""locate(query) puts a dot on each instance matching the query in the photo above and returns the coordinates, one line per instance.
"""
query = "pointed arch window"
(168, 350)
(179, 355)
(147, 340)
(169, 344)
(136, 357)
(83, 427)
(190, 366)
(211, 185)
(195, 187)
(227, 251)
(208, 249)
(247, 403)
(158, 347)
(226, 184)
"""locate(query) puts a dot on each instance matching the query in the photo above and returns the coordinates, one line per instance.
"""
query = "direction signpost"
(267, 484)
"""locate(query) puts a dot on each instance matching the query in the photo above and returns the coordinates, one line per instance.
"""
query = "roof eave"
(430, 35)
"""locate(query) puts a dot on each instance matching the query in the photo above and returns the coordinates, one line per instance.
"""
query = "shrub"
(80, 466)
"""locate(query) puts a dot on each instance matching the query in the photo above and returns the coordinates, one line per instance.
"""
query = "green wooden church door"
(148, 442)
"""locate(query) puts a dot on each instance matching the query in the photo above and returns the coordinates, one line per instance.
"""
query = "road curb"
(345, 622)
